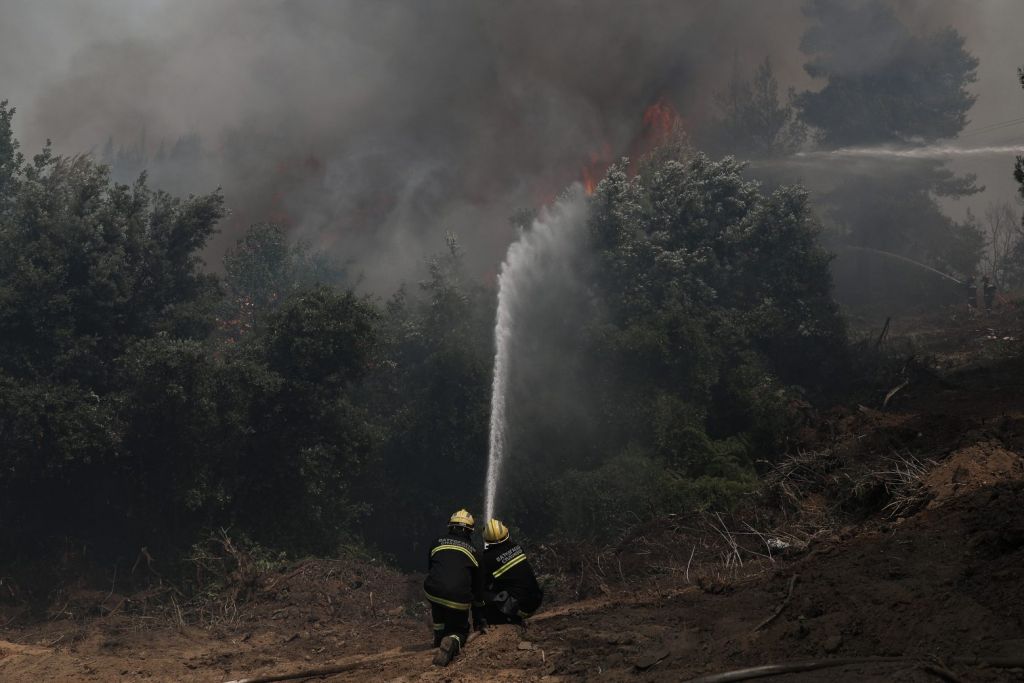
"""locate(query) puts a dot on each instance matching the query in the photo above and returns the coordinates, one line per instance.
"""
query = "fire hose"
(330, 670)
(816, 664)
(746, 674)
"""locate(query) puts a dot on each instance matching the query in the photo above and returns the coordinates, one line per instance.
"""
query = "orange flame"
(594, 169)
(659, 120)
(660, 117)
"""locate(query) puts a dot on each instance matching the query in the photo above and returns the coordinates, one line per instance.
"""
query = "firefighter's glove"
(479, 622)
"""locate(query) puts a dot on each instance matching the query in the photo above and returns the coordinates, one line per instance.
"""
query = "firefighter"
(513, 593)
(988, 291)
(972, 293)
(454, 587)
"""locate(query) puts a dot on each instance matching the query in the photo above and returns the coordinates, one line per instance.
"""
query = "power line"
(994, 127)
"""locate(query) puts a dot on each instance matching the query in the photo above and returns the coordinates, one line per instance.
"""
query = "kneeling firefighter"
(513, 593)
(454, 586)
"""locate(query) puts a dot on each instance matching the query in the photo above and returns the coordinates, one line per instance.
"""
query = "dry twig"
(942, 672)
(789, 595)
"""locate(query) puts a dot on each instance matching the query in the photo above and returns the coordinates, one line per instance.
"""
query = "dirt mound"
(969, 469)
(945, 582)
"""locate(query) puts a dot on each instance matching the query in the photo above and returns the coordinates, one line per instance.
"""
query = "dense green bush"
(712, 316)
(430, 396)
(632, 487)
(126, 418)
(147, 403)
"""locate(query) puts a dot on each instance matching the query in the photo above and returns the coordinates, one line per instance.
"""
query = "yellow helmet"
(495, 531)
(462, 518)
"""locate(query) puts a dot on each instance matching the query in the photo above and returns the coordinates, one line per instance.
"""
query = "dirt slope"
(905, 528)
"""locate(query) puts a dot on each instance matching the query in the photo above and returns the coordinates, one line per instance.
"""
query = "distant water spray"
(926, 152)
(548, 242)
(902, 258)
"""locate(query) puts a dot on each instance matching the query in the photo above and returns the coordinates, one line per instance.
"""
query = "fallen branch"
(789, 595)
(894, 391)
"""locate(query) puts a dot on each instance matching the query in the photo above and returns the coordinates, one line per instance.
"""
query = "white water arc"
(901, 258)
(549, 240)
(926, 152)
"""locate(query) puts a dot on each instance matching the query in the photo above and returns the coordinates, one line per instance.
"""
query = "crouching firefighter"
(512, 592)
(454, 587)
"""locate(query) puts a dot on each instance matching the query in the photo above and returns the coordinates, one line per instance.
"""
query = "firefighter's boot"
(447, 651)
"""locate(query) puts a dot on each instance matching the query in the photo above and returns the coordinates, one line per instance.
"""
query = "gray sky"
(993, 34)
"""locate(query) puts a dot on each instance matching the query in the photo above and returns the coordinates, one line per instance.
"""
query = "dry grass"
(904, 483)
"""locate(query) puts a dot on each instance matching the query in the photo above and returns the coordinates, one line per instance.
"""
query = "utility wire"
(994, 126)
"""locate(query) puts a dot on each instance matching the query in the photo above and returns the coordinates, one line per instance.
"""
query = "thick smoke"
(372, 126)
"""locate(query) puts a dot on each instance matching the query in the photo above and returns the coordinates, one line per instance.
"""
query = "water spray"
(925, 152)
(901, 258)
(552, 236)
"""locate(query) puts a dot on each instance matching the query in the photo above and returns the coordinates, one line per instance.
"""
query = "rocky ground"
(893, 531)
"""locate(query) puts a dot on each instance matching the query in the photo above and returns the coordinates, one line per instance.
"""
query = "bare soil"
(903, 525)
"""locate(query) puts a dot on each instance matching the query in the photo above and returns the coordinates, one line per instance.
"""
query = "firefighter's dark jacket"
(507, 569)
(454, 577)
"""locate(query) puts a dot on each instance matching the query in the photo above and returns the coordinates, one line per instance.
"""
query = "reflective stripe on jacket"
(453, 574)
(507, 569)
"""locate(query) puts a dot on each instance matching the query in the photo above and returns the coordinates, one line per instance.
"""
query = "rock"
(615, 659)
(833, 643)
(621, 638)
(526, 645)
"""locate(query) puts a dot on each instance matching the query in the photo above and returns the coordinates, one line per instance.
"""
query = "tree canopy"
(146, 403)
(713, 306)
(884, 83)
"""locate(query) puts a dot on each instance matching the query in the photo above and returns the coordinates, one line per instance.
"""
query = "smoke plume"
(372, 126)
